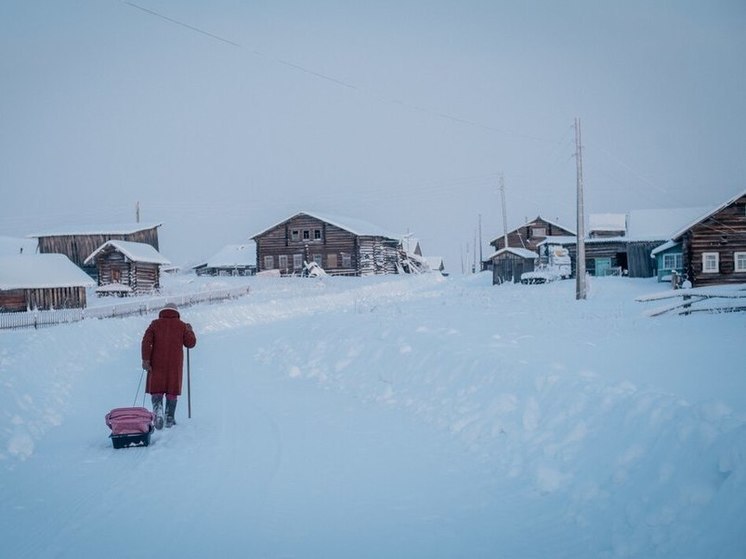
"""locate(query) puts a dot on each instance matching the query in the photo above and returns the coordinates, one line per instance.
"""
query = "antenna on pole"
(505, 212)
(580, 291)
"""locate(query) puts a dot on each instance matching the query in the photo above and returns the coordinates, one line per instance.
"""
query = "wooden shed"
(124, 267)
(79, 243)
(714, 245)
(41, 281)
(340, 246)
(509, 263)
(231, 260)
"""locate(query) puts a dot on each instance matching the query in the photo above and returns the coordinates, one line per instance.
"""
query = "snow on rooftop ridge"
(12, 246)
(355, 226)
(607, 222)
(137, 252)
(108, 229)
(233, 255)
(41, 271)
(522, 252)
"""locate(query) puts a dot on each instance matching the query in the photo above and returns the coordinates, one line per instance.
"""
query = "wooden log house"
(78, 244)
(714, 245)
(341, 246)
(124, 267)
(41, 281)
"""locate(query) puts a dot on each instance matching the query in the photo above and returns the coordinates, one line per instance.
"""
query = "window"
(346, 261)
(317, 234)
(269, 262)
(740, 261)
(294, 235)
(710, 262)
(331, 260)
(283, 261)
(306, 234)
(297, 261)
(672, 261)
(317, 259)
(539, 232)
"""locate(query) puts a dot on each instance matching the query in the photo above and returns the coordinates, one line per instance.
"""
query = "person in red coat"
(163, 358)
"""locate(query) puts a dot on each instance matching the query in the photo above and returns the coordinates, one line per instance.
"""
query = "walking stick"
(189, 387)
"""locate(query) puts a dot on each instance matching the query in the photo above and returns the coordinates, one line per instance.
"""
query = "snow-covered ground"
(387, 417)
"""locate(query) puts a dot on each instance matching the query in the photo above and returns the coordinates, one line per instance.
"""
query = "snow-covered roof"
(354, 226)
(538, 217)
(659, 225)
(663, 247)
(522, 252)
(110, 229)
(409, 244)
(11, 246)
(137, 252)
(707, 214)
(559, 240)
(607, 222)
(40, 271)
(231, 256)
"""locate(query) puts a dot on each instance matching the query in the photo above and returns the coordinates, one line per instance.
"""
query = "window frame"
(269, 262)
(708, 269)
(678, 259)
(736, 268)
(280, 259)
(297, 261)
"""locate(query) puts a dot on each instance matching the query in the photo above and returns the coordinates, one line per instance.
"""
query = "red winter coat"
(162, 346)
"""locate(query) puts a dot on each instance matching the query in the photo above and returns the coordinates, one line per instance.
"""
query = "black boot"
(170, 411)
(158, 410)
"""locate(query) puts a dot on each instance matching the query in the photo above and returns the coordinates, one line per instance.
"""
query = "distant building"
(509, 263)
(124, 267)
(231, 260)
(41, 281)
(338, 245)
(80, 242)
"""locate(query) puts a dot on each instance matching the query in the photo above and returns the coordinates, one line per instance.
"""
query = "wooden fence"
(38, 319)
(716, 299)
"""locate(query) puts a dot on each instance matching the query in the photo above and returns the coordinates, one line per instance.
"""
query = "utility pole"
(137, 212)
(580, 291)
(505, 212)
(474, 257)
(481, 258)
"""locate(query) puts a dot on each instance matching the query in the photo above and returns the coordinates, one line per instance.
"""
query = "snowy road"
(388, 417)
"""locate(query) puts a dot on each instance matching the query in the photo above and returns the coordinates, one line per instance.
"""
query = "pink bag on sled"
(130, 426)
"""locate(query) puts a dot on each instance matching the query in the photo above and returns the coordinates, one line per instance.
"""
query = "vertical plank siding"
(18, 300)
(79, 247)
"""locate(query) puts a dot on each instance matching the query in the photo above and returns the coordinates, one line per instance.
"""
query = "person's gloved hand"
(146, 365)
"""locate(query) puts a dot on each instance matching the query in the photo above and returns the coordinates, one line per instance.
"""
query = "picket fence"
(127, 307)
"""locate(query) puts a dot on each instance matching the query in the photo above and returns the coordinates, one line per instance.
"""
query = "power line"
(337, 81)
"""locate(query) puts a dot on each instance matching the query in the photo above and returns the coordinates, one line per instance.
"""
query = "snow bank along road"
(387, 417)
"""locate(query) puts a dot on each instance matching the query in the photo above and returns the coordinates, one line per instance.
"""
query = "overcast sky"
(224, 117)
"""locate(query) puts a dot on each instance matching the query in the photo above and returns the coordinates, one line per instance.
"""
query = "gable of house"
(714, 245)
(530, 234)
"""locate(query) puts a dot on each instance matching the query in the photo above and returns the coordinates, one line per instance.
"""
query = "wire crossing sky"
(403, 114)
